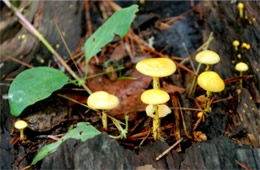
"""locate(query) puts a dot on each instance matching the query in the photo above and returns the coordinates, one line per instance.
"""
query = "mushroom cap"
(240, 5)
(156, 67)
(211, 81)
(207, 57)
(102, 100)
(248, 46)
(236, 43)
(163, 110)
(155, 97)
(20, 124)
(241, 66)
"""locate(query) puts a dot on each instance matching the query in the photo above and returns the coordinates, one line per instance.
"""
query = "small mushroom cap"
(248, 47)
(102, 100)
(211, 81)
(207, 57)
(240, 5)
(163, 110)
(20, 124)
(156, 67)
(241, 66)
(155, 97)
(236, 43)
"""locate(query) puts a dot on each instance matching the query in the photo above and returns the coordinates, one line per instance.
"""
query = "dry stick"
(188, 54)
(89, 33)
(183, 123)
(20, 62)
(66, 45)
(168, 150)
(177, 132)
(36, 33)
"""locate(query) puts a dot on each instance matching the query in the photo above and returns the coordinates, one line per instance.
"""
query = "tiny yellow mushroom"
(21, 125)
(241, 67)
(240, 7)
(211, 82)
(155, 97)
(156, 68)
(104, 101)
(236, 44)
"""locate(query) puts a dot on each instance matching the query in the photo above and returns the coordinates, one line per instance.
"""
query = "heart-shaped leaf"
(34, 85)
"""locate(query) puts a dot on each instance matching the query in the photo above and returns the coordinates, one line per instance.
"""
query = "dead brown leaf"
(169, 88)
(128, 91)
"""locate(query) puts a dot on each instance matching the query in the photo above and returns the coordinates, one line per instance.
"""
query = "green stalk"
(38, 35)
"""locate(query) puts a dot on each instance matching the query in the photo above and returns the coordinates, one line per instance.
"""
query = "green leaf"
(34, 85)
(118, 24)
(82, 132)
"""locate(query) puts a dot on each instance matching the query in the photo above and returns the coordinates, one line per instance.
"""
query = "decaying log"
(222, 18)
(22, 45)
(102, 152)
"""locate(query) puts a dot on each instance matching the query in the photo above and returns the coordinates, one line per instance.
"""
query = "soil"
(228, 138)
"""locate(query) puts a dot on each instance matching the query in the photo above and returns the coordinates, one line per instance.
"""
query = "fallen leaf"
(118, 53)
(128, 91)
(169, 88)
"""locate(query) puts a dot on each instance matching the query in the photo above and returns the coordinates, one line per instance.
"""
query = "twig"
(66, 45)
(183, 123)
(168, 150)
(188, 54)
(20, 62)
(37, 34)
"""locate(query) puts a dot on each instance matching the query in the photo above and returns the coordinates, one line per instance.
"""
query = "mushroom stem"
(156, 123)
(207, 67)
(104, 119)
(22, 134)
(208, 101)
(193, 81)
(156, 83)
(241, 83)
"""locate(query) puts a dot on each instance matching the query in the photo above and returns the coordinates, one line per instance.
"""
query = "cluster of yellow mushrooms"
(243, 13)
(241, 66)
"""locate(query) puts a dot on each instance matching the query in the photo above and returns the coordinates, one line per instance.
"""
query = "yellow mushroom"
(104, 101)
(236, 44)
(163, 110)
(211, 82)
(156, 68)
(248, 47)
(207, 57)
(155, 97)
(21, 125)
(241, 67)
(240, 7)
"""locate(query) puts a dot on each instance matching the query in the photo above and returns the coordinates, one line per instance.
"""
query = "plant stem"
(156, 123)
(104, 119)
(37, 34)
(194, 81)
